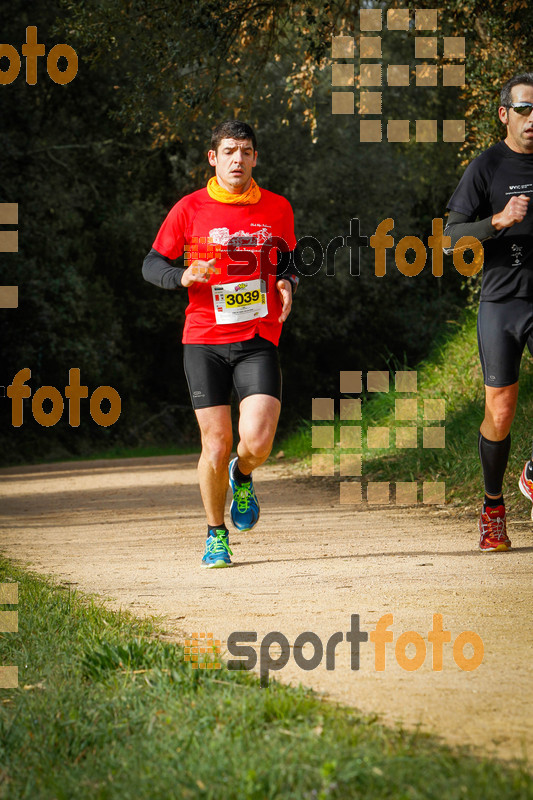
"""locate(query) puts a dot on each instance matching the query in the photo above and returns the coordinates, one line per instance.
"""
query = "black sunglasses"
(522, 108)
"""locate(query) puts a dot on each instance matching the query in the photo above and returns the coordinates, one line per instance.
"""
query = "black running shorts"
(504, 327)
(252, 367)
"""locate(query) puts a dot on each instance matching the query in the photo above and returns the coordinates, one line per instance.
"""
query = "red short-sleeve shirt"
(201, 223)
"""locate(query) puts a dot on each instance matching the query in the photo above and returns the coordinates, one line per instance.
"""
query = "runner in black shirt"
(492, 203)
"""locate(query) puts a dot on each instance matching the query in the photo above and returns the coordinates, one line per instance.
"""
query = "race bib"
(239, 302)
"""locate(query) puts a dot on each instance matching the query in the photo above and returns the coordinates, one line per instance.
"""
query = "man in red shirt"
(238, 240)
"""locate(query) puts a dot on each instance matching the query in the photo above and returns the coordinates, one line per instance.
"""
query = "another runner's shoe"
(244, 509)
(526, 486)
(493, 530)
(217, 553)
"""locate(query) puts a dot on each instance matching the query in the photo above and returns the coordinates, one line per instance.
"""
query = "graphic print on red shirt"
(248, 237)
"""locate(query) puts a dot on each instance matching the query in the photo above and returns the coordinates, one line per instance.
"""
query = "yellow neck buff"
(249, 197)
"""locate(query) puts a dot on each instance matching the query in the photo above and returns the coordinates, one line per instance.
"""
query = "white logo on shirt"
(223, 236)
(517, 255)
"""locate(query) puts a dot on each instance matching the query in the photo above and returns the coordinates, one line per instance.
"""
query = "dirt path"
(133, 531)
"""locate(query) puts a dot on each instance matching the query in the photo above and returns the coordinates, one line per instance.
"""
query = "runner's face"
(519, 128)
(233, 163)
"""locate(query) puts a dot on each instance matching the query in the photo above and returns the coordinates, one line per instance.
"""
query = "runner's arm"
(462, 225)
(285, 269)
(285, 291)
(160, 271)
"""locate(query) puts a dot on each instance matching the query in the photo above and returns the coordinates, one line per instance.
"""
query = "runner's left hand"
(285, 292)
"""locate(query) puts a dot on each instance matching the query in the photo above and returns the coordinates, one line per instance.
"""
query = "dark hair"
(232, 129)
(516, 80)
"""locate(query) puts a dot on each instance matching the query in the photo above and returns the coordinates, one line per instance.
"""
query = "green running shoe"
(244, 509)
(217, 552)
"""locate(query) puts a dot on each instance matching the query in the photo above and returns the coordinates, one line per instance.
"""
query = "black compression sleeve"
(493, 457)
(461, 225)
(285, 268)
(160, 271)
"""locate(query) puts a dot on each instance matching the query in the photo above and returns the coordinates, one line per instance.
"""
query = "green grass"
(108, 708)
(452, 371)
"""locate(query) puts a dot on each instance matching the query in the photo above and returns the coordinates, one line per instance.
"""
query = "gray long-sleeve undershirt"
(160, 271)
(462, 225)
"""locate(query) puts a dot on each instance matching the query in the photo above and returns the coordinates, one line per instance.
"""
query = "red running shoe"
(526, 486)
(493, 530)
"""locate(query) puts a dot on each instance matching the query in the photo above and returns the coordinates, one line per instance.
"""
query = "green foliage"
(451, 372)
(96, 164)
(499, 41)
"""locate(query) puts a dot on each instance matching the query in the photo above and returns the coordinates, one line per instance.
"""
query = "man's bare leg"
(217, 441)
(259, 415)
(500, 408)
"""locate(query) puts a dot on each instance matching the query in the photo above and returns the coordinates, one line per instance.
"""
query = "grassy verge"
(451, 372)
(107, 708)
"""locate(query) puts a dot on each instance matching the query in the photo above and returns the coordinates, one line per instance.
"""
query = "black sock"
(529, 470)
(212, 529)
(238, 475)
(493, 502)
(493, 456)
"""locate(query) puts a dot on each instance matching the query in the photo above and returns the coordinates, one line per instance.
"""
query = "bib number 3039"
(239, 302)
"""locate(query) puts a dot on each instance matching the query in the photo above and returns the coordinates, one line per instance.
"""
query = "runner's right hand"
(199, 272)
(514, 211)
